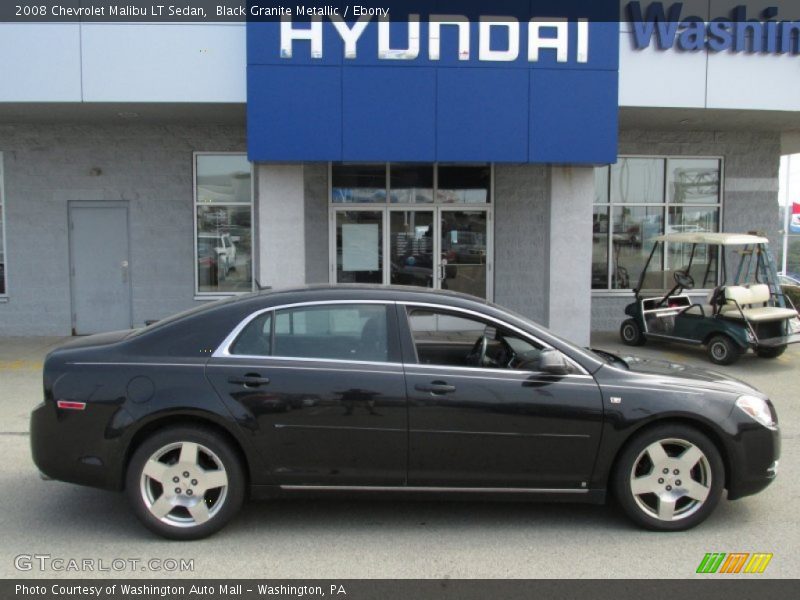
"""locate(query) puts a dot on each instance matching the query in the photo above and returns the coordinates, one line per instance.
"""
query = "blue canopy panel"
(445, 89)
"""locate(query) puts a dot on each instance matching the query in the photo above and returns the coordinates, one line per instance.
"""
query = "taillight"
(69, 405)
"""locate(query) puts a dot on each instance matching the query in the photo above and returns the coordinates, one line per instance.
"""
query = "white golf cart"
(749, 312)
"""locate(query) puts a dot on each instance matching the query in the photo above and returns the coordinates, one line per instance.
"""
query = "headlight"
(758, 409)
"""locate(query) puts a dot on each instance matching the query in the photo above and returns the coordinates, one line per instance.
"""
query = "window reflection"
(411, 184)
(467, 185)
(634, 230)
(643, 192)
(601, 186)
(600, 248)
(464, 252)
(412, 247)
(223, 253)
(637, 181)
(354, 184)
(223, 178)
(693, 181)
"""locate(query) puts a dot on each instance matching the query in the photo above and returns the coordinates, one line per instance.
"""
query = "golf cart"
(750, 312)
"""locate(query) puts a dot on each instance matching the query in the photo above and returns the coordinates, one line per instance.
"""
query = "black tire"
(771, 352)
(722, 350)
(644, 509)
(631, 333)
(222, 503)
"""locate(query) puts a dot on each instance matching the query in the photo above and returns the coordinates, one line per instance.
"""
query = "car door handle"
(250, 380)
(436, 387)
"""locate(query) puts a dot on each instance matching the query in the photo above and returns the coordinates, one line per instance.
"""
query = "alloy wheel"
(184, 484)
(670, 479)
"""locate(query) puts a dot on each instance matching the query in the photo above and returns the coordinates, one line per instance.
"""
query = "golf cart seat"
(751, 303)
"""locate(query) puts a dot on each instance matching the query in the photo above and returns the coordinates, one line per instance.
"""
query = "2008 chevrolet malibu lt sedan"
(331, 390)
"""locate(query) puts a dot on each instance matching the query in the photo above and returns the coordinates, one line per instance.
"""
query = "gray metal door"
(99, 267)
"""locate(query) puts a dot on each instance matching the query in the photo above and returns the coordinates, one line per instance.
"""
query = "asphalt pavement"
(323, 538)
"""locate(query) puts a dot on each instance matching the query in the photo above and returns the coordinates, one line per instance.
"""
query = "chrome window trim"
(355, 363)
(137, 364)
(524, 334)
(492, 374)
(223, 351)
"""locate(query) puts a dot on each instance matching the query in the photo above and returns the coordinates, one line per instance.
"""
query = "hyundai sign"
(481, 83)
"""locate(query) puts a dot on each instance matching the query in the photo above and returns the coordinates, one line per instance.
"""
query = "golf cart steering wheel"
(477, 356)
(684, 280)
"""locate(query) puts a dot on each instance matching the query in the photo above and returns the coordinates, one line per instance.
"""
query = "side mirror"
(553, 362)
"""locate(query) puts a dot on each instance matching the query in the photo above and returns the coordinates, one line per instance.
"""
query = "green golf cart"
(749, 312)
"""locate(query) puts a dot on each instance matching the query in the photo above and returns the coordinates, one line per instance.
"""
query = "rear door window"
(353, 332)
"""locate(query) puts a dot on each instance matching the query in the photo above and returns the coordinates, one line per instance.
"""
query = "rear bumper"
(778, 341)
(753, 463)
(76, 447)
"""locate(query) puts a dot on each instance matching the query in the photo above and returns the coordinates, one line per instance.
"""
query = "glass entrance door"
(411, 248)
(464, 257)
(411, 224)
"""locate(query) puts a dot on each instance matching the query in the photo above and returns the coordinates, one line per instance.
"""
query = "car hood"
(681, 374)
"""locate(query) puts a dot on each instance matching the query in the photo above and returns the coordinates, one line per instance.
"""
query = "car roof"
(715, 239)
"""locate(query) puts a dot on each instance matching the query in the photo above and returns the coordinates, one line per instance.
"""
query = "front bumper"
(753, 463)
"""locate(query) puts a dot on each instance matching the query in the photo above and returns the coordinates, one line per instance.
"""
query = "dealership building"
(149, 167)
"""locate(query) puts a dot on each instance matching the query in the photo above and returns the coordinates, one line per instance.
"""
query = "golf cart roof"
(714, 239)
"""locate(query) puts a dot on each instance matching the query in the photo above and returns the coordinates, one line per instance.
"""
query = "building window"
(640, 198)
(3, 287)
(789, 197)
(223, 223)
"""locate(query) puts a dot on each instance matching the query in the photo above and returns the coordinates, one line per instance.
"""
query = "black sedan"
(332, 390)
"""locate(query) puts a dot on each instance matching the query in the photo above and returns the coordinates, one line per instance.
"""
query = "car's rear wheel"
(771, 352)
(631, 333)
(722, 350)
(185, 483)
(669, 478)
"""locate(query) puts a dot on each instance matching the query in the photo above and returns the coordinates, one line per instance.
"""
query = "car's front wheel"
(185, 482)
(669, 478)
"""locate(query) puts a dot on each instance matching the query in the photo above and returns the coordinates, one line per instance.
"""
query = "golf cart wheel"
(771, 352)
(722, 350)
(631, 333)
